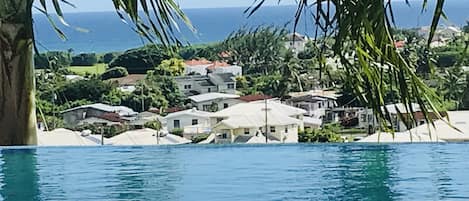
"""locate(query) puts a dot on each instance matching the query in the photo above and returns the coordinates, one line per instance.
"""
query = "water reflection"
(19, 176)
(363, 172)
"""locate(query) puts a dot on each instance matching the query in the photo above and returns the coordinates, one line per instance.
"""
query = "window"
(209, 90)
(219, 120)
(195, 121)
(272, 129)
(363, 117)
(188, 86)
(205, 107)
(319, 105)
(246, 131)
(231, 86)
(177, 123)
(286, 129)
(225, 105)
(224, 136)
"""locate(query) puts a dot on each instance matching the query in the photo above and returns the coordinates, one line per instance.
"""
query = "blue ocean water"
(237, 172)
(108, 33)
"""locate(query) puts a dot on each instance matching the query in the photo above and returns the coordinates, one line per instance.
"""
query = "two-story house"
(200, 84)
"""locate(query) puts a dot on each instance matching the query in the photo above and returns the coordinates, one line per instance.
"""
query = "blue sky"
(106, 5)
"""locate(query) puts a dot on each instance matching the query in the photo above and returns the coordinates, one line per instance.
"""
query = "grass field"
(96, 69)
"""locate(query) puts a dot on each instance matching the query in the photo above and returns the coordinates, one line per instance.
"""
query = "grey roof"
(121, 110)
(223, 77)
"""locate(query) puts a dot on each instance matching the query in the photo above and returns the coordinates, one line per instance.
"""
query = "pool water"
(238, 172)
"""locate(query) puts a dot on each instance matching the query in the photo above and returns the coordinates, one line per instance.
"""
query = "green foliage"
(140, 60)
(199, 138)
(454, 83)
(91, 90)
(152, 97)
(155, 125)
(85, 59)
(52, 60)
(108, 131)
(178, 131)
(115, 72)
(170, 67)
(256, 50)
(209, 52)
(329, 133)
(108, 57)
(447, 59)
(168, 87)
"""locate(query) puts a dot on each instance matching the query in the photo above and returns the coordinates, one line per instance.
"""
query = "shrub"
(447, 59)
(57, 58)
(108, 57)
(178, 131)
(199, 138)
(329, 133)
(85, 59)
(115, 72)
(140, 60)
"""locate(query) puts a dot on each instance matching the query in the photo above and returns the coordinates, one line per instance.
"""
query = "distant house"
(204, 67)
(241, 122)
(128, 83)
(296, 42)
(212, 102)
(188, 120)
(75, 115)
(199, 84)
(144, 117)
(315, 102)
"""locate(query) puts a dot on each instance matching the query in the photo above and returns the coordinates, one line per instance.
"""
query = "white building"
(74, 115)
(204, 67)
(200, 84)
(241, 122)
(315, 102)
(296, 42)
(188, 119)
(212, 102)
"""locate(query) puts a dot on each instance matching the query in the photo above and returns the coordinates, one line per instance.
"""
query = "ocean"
(106, 32)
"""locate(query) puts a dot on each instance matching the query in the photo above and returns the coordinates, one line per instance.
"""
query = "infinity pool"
(238, 172)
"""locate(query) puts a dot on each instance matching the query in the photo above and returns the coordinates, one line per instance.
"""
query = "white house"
(296, 42)
(212, 102)
(204, 67)
(188, 120)
(199, 84)
(315, 102)
(241, 122)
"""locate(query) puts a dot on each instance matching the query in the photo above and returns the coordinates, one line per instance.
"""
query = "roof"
(258, 107)
(146, 137)
(97, 120)
(197, 62)
(131, 79)
(222, 77)
(189, 112)
(121, 110)
(64, 137)
(218, 64)
(212, 96)
(315, 93)
(296, 37)
(255, 97)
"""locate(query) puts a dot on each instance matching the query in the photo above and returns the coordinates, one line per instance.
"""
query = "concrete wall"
(186, 120)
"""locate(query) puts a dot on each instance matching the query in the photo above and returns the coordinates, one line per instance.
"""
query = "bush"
(48, 59)
(140, 60)
(447, 59)
(200, 138)
(115, 72)
(329, 133)
(108, 57)
(85, 59)
(178, 131)
(90, 90)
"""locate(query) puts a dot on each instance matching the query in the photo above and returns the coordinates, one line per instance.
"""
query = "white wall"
(186, 120)
(220, 103)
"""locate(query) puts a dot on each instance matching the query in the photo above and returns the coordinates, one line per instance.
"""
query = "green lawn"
(96, 69)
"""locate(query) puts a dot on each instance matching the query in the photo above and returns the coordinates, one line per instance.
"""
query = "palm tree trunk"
(17, 107)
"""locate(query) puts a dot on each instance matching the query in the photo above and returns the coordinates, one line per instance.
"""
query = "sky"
(106, 5)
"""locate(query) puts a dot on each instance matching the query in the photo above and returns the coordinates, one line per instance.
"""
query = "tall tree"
(156, 23)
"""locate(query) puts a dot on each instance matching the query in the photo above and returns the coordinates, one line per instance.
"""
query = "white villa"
(200, 84)
(296, 42)
(204, 67)
(74, 116)
(315, 102)
(214, 101)
(192, 121)
(241, 122)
